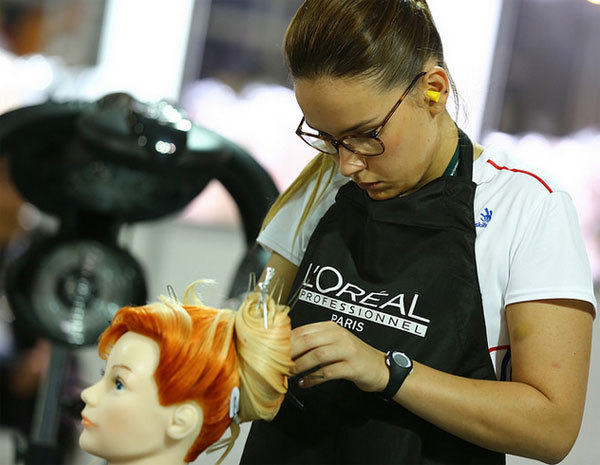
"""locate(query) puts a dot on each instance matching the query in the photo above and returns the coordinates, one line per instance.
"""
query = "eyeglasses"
(368, 144)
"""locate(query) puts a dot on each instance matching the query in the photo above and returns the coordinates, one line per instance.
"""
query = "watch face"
(401, 360)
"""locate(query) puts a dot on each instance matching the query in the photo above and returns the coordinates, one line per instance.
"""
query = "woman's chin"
(383, 194)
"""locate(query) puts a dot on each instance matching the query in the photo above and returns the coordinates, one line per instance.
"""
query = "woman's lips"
(369, 185)
(86, 422)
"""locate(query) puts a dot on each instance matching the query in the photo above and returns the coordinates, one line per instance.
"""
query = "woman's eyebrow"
(359, 125)
(350, 129)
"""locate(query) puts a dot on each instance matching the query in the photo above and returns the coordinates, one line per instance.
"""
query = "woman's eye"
(119, 385)
(369, 133)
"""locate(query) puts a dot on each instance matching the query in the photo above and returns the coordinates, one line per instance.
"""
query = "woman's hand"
(339, 354)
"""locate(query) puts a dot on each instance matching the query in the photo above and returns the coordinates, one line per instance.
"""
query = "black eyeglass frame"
(374, 134)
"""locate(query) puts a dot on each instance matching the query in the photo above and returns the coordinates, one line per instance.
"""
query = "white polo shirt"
(528, 247)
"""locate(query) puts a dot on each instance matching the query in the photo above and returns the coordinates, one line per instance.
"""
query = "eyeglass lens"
(321, 145)
(360, 145)
(363, 145)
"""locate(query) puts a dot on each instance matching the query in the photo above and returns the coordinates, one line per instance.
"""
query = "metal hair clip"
(171, 292)
(234, 405)
(264, 286)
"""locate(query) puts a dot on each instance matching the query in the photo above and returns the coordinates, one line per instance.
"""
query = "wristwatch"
(400, 366)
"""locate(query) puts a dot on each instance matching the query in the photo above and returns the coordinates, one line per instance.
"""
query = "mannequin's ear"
(186, 418)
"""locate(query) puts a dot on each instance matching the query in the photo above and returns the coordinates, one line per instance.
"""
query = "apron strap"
(465, 167)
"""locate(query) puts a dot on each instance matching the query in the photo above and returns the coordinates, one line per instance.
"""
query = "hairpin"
(234, 405)
(171, 293)
(264, 286)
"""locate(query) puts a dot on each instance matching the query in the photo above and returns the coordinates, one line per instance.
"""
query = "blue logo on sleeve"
(485, 217)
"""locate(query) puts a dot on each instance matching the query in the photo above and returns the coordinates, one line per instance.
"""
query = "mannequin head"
(170, 373)
(123, 417)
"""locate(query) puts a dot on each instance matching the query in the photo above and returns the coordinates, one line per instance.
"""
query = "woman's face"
(339, 107)
(122, 418)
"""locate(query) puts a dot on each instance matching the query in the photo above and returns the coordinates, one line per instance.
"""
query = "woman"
(178, 376)
(445, 301)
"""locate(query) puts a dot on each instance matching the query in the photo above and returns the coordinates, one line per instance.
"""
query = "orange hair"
(206, 352)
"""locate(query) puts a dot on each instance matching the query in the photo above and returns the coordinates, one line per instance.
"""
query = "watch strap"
(397, 376)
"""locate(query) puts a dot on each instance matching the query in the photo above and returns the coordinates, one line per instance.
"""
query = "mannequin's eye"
(119, 385)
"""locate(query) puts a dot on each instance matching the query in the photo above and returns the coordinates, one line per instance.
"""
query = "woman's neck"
(442, 151)
(448, 140)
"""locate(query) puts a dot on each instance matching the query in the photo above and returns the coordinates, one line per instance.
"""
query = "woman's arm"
(537, 414)
(284, 270)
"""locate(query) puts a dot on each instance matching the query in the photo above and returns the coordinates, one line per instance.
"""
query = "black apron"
(400, 274)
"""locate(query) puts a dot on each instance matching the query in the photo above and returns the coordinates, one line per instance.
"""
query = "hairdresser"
(442, 296)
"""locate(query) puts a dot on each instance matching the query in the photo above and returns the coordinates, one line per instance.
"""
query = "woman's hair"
(387, 42)
(206, 352)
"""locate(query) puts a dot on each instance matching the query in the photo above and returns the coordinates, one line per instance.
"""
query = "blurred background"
(527, 78)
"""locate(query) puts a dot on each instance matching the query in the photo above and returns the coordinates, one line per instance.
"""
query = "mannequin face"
(123, 419)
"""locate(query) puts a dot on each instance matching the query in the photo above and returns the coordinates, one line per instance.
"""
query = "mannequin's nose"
(90, 395)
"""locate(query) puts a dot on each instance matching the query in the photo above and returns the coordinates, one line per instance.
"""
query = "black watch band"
(400, 366)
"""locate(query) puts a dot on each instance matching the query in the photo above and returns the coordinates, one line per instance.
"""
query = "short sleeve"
(280, 234)
(549, 259)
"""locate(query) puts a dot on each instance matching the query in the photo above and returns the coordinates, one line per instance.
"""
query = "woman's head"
(366, 69)
(385, 41)
(203, 354)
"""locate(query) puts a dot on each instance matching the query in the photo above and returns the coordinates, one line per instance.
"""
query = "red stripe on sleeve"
(514, 170)
(494, 349)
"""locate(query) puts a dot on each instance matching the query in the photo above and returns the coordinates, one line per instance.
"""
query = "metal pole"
(43, 448)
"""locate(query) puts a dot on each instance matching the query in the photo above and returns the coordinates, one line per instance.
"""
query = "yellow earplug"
(433, 95)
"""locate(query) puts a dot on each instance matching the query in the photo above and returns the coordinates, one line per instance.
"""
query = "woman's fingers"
(319, 356)
(338, 370)
(308, 337)
(338, 354)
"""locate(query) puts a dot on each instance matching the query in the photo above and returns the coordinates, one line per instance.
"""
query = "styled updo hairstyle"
(387, 42)
(205, 353)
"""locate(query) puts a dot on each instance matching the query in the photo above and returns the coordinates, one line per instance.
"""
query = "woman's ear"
(186, 418)
(437, 89)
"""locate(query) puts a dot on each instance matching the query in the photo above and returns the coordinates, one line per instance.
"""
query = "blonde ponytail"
(263, 349)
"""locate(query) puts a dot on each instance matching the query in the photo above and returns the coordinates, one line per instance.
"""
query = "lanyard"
(453, 165)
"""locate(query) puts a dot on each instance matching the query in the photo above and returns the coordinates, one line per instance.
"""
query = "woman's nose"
(350, 162)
